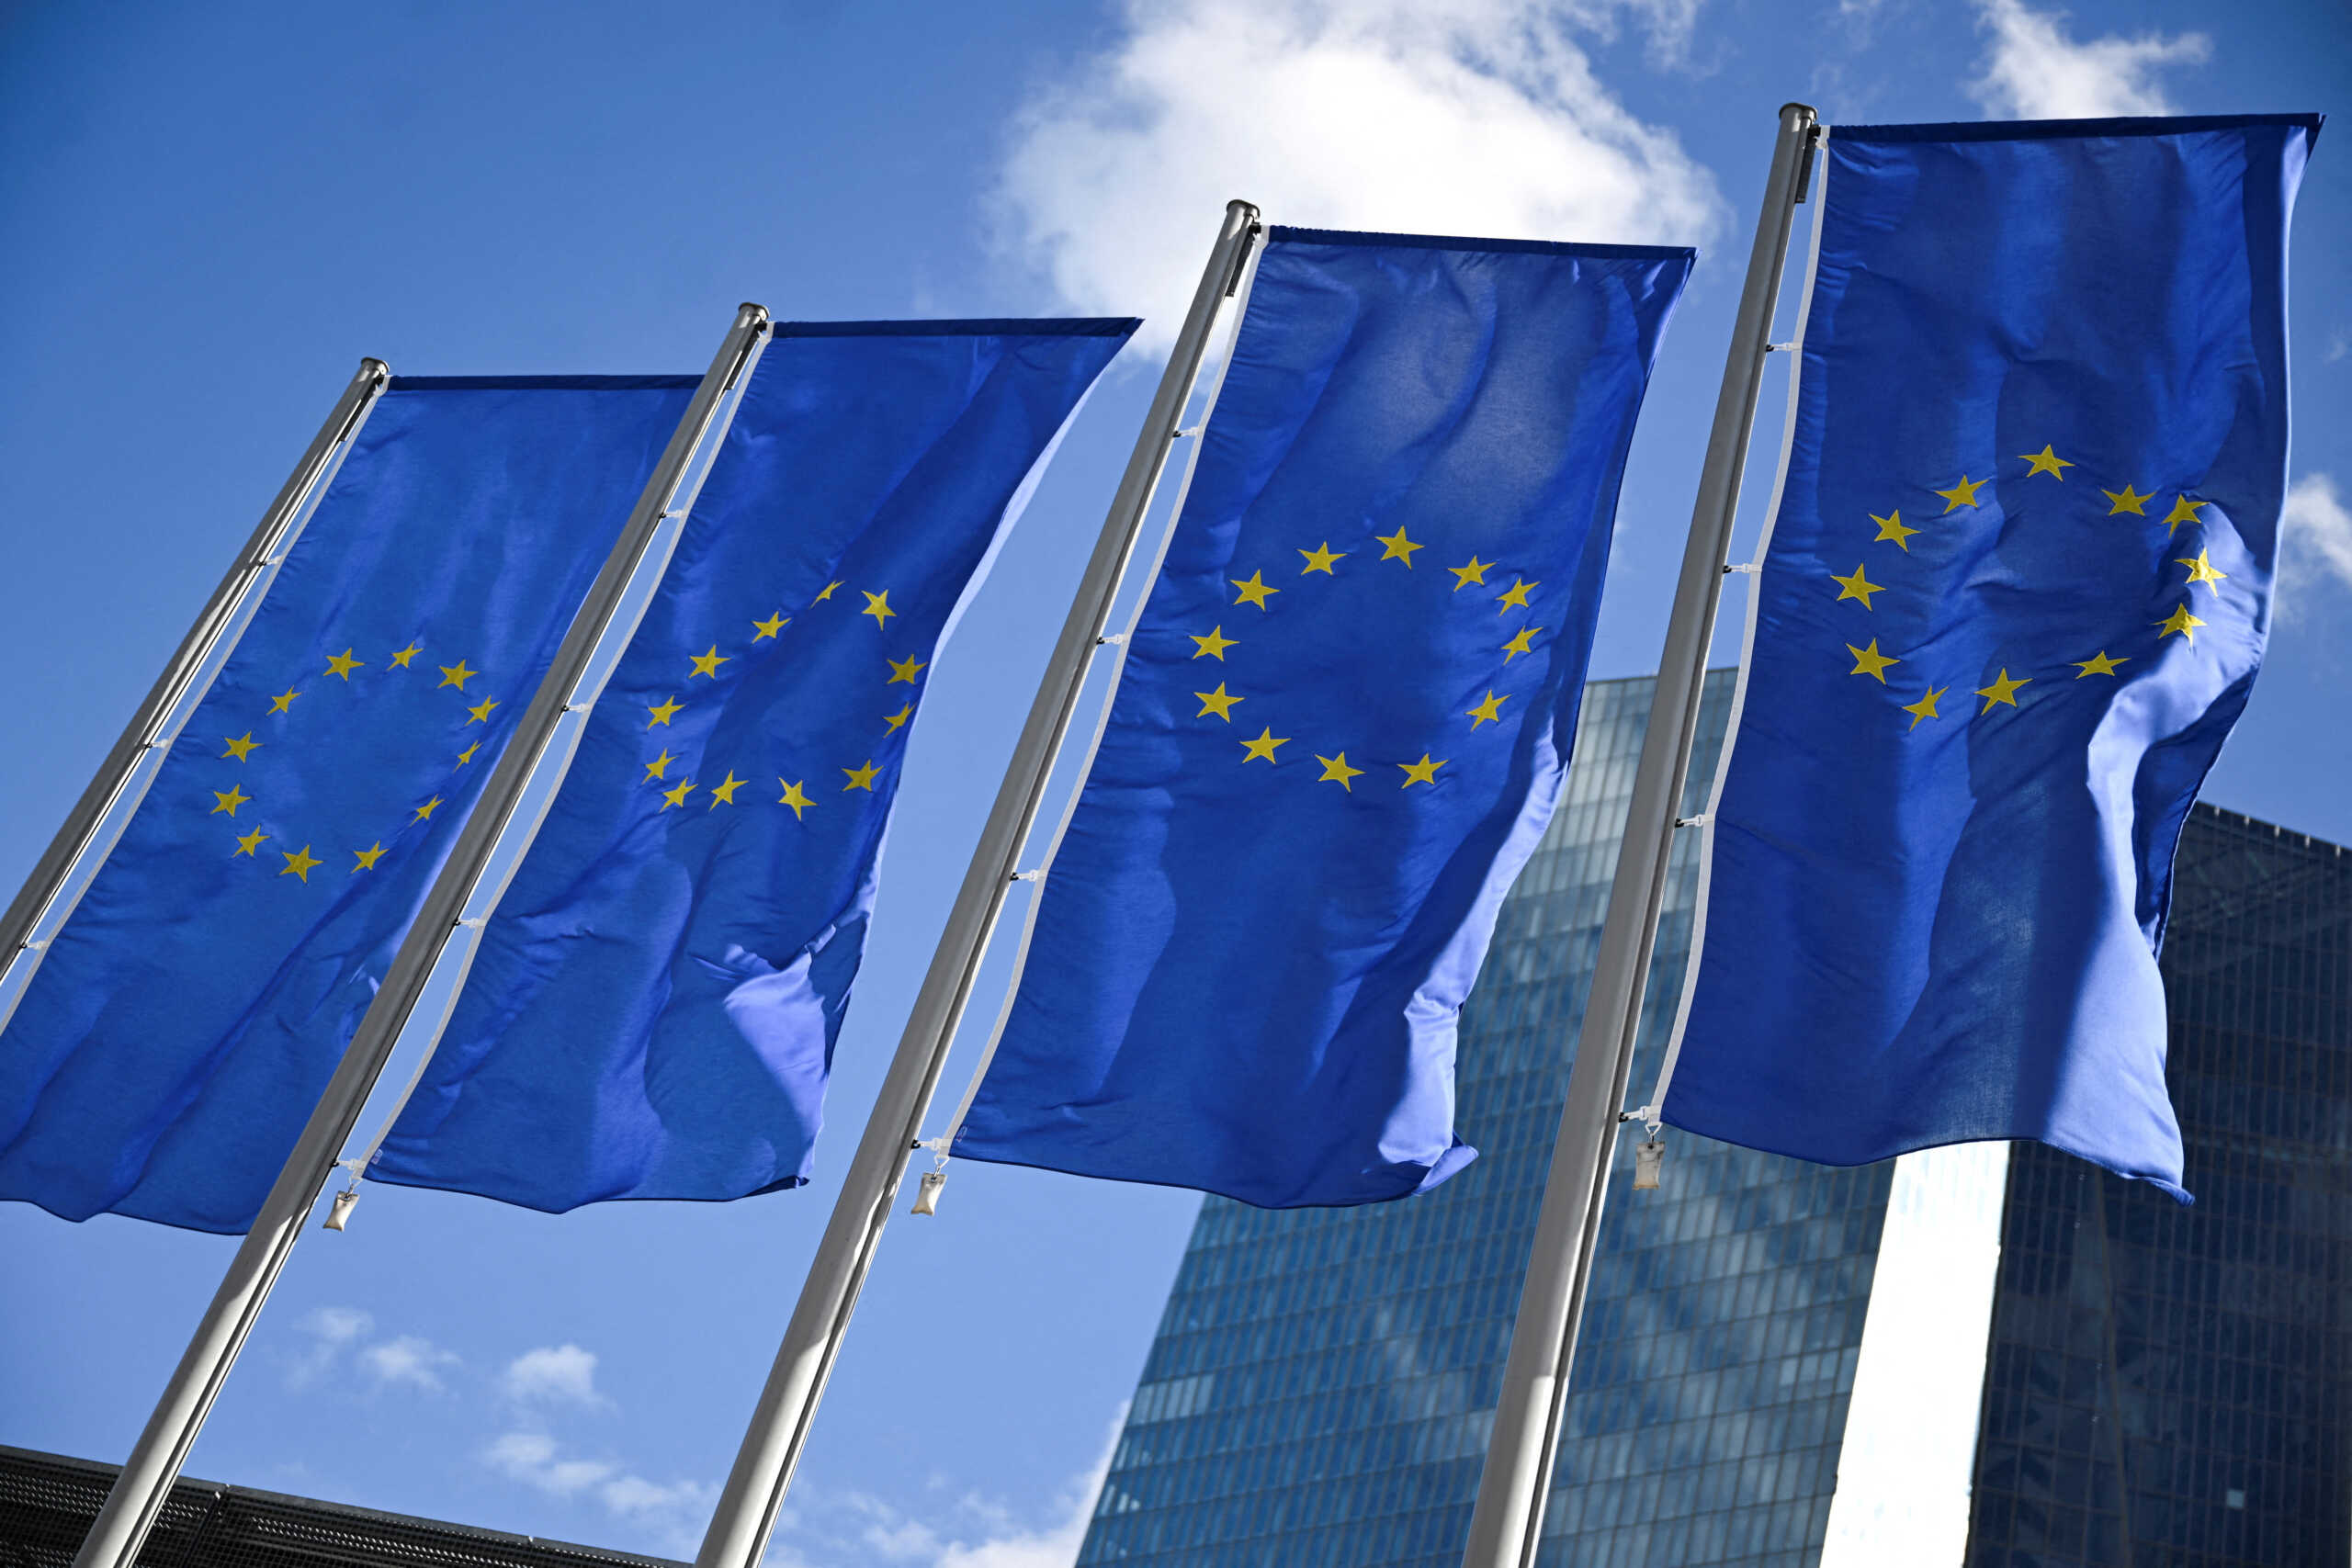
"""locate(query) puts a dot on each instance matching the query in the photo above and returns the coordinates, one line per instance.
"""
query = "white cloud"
(2035, 71)
(977, 1531)
(332, 1330)
(672, 1514)
(409, 1361)
(1467, 116)
(553, 1374)
(2315, 547)
(2339, 343)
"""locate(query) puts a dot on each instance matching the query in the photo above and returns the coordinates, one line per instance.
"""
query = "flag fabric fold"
(2014, 598)
(183, 1024)
(1340, 725)
(652, 1009)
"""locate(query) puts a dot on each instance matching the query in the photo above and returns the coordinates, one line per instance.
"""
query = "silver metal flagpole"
(779, 1431)
(146, 1480)
(220, 614)
(1506, 1524)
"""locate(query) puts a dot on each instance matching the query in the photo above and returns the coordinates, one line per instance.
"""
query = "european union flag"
(1340, 726)
(652, 1009)
(186, 1018)
(2014, 599)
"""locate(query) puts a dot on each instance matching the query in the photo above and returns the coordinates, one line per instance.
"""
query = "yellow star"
(228, 802)
(826, 594)
(664, 711)
(1870, 661)
(1492, 708)
(1857, 586)
(905, 669)
(762, 630)
(2003, 690)
(677, 796)
(1961, 494)
(369, 857)
(2126, 500)
(725, 789)
(456, 675)
(425, 810)
(2046, 462)
(2201, 571)
(1516, 595)
(1320, 558)
(1926, 706)
(1219, 701)
(1398, 548)
(898, 719)
(1335, 771)
(299, 863)
(2183, 511)
(468, 754)
(794, 796)
(1517, 646)
(1213, 645)
(249, 844)
(878, 606)
(709, 664)
(284, 701)
(242, 746)
(400, 656)
(1464, 576)
(480, 711)
(1891, 527)
(2179, 620)
(1264, 745)
(343, 664)
(1253, 590)
(862, 778)
(660, 767)
(2098, 664)
(1423, 771)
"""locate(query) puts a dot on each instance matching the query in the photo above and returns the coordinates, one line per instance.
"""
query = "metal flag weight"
(779, 1430)
(145, 1482)
(1506, 1526)
(219, 618)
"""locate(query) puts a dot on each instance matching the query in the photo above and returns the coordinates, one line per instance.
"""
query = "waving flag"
(2014, 599)
(1340, 728)
(653, 1010)
(186, 1018)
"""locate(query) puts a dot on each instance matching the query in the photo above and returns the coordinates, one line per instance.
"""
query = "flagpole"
(220, 617)
(778, 1435)
(145, 1482)
(1507, 1525)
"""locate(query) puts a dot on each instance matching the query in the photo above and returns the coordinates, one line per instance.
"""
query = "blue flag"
(184, 1022)
(653, 1010)
(1340, 726)
(2014, 599)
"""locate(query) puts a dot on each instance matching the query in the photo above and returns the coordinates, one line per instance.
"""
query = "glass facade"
(1788, 1364)
(2171, 1387)
(1320, 1389)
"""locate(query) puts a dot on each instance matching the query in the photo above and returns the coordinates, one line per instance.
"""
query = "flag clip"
(1036, 875)
(1698, 821)
(1115, 640)
(1747, 566)
(1649, 1155)
(1779, 347)
(927, 1192)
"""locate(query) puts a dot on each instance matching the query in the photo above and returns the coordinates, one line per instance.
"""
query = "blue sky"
(208, 214)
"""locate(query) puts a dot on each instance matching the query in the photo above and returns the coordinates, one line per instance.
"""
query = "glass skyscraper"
(1783, 1363)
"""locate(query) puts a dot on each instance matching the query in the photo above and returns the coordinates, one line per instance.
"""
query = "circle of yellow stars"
(340, 667)
(1870, 661)
(1255, 591)
(679, 791)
